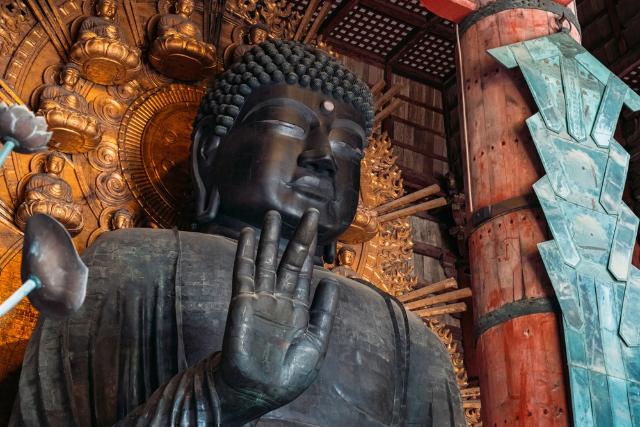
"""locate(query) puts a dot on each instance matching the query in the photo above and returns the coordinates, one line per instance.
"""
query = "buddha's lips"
(314, 186)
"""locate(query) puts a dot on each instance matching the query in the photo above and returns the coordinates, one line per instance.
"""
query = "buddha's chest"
(360, 381)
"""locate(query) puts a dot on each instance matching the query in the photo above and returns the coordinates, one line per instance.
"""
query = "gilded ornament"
(178, 50)
(153, 146)
(125, 92)
(278, 16)
(112, 219)
(346, 258)
(15, 18)
(385, 257)
(112, 189)
(105, 156)
(245, 39)
(121, 219)
(101, 51)
(363, 228)
(47, 193)
(108, 109)
(67, 114)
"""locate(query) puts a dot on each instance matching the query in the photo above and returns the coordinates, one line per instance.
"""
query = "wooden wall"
(417, 130)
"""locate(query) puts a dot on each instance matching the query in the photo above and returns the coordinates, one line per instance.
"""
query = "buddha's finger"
(296, 252)
(268, 252)
(243, 268)
(322, 312)
(301, 292)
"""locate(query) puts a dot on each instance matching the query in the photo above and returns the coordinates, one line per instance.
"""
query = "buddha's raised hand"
(275, 339)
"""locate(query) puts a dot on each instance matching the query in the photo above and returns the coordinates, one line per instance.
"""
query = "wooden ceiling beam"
(405, 45)
(419, 150)
(420, 104)
(625, 64)
(412, 178)
(355, 52)
(338, 15)
(385, 7)
(419, 126)
(417, 75)
(436, 27)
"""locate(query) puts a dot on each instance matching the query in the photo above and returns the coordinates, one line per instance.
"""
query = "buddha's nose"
(318, 156)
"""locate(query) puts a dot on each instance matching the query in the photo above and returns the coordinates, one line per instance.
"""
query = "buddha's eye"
(284, 128)
(350, 149)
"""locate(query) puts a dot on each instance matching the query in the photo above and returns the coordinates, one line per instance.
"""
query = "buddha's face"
(185, 7)
(55, 164)
(107, 9)
(122, 220)
(291, 149)
(70, 77)
(346, 257)
(258, 35)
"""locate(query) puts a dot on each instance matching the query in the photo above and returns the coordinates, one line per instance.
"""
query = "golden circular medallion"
(153, 146)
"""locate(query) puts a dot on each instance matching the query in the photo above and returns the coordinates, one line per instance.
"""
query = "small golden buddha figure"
(48, 193)
(178, 50)
(122, 218)
(344, 266)
(101, 50)
(257, 34)
(67, 114)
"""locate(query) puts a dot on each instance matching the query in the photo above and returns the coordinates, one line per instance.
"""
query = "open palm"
(274, 339)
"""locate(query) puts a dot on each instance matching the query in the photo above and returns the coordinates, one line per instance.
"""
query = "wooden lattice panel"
(432, 55)
(372, 31)
(301, 6)
(632, 78)
(411, 5)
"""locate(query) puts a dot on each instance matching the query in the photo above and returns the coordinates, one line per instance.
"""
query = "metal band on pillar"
(513, 310)
(502, 5)
(479, 217)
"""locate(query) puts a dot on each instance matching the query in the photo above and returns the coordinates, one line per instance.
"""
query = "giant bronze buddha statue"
(217, 327)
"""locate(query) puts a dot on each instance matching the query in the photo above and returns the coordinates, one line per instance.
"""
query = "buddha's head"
(258, 33)
(346, 256)
(122, 218)
(55, 163)
(106, 8)
(185, 7)
(70, 76)
(283, 129)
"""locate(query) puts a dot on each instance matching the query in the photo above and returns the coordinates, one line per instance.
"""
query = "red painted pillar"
(518, 336)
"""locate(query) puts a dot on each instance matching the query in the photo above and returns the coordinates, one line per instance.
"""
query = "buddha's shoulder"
(154, 245)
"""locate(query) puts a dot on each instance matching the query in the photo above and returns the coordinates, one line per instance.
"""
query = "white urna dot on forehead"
(328, 106)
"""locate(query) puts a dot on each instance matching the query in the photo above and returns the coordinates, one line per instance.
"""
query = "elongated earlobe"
(203, 152)
(209, 210)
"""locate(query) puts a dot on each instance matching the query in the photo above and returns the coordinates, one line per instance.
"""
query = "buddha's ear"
(203, 152)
